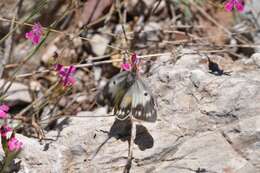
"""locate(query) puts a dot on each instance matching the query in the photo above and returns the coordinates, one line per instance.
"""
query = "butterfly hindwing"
(139, 102)
(143, 104)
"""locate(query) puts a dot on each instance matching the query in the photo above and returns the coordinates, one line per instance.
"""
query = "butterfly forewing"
(127, 94)
(139, 102)
(113, 90)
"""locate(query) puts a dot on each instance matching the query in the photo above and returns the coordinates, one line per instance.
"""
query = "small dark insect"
(214, 68)
(201, 170)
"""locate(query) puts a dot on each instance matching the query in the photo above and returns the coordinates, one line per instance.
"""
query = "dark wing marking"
(138, 101)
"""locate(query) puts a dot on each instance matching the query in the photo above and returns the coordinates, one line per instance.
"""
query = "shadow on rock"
(122, 130)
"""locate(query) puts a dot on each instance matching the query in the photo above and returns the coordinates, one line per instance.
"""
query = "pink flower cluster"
(3, 111)
(35, 34)
(13, 143)
(134, 61)
(238, 4)
(65, 74)
(126, 66)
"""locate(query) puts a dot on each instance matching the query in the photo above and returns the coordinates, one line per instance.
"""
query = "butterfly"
(127, 95)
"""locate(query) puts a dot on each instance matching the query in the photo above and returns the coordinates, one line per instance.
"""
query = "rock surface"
(17, 91)
(206, 124)
(99, 44)
(256, 59)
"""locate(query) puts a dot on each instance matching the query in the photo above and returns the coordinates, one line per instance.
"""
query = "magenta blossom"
(14, 144)
(126, 66)
(238, 4)
(4, 130)
(65, 74)
(135, 60)
(3, 111)
(35, 34)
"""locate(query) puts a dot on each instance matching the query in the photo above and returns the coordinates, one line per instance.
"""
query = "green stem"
(8, 160)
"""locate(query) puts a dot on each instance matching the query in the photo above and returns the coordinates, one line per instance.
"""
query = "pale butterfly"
(128, 95)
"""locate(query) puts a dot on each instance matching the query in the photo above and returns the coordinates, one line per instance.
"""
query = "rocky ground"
(206, 124)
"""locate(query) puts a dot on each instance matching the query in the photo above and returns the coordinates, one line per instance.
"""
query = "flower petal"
(126, 66)
(35, 34)
(65, 74)
(229, 5)
(14, 144)
(72, 69)
(70, 81)
(4, 107)
(3, 114)
(36, 39)
(239, 6)
(58, 67)
(29, 35)
(37, 28)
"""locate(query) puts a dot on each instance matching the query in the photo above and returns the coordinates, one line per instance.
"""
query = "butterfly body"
(128, 95)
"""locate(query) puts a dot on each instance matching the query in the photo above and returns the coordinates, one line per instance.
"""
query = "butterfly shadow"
(121, 130)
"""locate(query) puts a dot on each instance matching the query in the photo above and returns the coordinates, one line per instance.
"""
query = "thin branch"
(66, 33)
(9, 40)
(91, 64)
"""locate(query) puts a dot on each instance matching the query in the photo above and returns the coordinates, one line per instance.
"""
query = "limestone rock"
(256, 59)
(206, 123)
(99, 44)
(17, 91)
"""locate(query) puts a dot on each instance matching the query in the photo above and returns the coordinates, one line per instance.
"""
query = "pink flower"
(238, 4)
(14, 144)
(35, 34)
(126, 66)
(4, 130)
(3, 111)
(135, 59)
(134, 62)
(65, 74)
